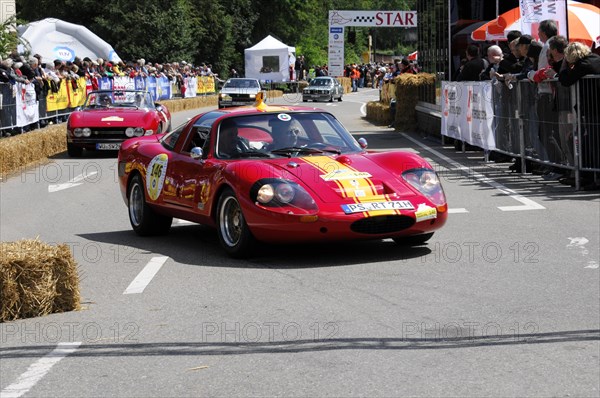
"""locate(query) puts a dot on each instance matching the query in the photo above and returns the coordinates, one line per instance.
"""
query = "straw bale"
(21, 150)
(407, 96)
(36, 279)
(378, 112)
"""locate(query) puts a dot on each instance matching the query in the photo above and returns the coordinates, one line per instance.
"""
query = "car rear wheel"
(234, 234)
(414, 240)
(144, 220)
(74, 151)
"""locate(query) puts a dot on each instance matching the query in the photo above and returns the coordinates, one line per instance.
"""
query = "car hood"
(114, 117)
(332, 179)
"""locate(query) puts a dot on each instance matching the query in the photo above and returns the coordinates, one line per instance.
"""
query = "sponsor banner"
(391, 19)
(123, 83)
(164, 88)
(139, 83)
(535, 11)
(59, 100)
(191, 85)
(27, 106)
(206, 84)
(105, 83)
(467, 113)
(77, 92)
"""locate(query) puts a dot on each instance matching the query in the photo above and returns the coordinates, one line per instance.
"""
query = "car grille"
(319, 92)
(238, 97)
(382, 224)
(108, 133)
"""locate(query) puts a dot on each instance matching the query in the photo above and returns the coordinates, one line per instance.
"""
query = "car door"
(189, 176)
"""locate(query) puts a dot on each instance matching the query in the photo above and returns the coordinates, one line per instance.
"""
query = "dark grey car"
(323, 88)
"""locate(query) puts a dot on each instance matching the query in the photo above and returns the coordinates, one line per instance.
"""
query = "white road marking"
(38, 370)
(527, 204)
(578, 243)
(75, 181)
(458, 210)
(145, 276)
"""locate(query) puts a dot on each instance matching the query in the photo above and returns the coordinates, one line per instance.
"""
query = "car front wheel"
(414, 240)
(144, 220)
(234, 234)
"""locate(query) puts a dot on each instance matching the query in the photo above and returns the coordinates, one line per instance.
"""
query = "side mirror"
(363, 143)
(158, 107)
(196, 153)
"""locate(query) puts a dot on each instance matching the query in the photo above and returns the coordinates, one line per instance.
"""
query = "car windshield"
(321, 82)
(283, 135)
(241, 83)
(118, 99)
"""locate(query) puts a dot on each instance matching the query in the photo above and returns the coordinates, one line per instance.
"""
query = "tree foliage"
(8, 37)
(217, 31)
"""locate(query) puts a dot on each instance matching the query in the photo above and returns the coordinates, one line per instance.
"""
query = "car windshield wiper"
(289, 150)
(249, 154)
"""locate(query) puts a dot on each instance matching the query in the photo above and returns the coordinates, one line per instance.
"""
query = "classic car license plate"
(108, 146)
(374, 206)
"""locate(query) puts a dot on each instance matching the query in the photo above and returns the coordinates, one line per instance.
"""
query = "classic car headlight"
(78, 132)
(138, 132)
(225, 97)
(252, 95)
(129, 131)
(86, 132)
(279, 193)
(427, 182)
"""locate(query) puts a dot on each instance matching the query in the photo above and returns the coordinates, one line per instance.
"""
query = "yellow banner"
(206, 84)
(77, 96)
(58, 101)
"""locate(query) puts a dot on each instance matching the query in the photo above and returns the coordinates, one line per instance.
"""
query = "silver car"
(239, 92)
(323, 88)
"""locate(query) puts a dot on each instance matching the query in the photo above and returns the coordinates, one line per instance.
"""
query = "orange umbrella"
(583, 21)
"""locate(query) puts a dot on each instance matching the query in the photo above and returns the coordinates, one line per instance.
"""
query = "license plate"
(108, 146)
(374, 206)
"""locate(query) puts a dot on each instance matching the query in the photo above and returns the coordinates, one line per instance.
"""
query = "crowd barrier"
(20, 108)
(544, 123)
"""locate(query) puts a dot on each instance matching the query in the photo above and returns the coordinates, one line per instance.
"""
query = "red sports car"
(109, 117)
(277, 174)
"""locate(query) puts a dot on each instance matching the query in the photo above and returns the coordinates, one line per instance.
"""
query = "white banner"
(191, 85)
(384, 19)
(27, 107)
(467, 113)
(535, 11)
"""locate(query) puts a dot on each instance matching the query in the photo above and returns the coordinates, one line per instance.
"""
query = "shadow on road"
(199, 245)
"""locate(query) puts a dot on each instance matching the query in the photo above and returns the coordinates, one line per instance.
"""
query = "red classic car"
(109, 117)
(277, 174)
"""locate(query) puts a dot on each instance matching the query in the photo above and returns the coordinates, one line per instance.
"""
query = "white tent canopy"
(269, 60)
(56, 39)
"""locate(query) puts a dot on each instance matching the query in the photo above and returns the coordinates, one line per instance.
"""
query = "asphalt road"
(503, 301)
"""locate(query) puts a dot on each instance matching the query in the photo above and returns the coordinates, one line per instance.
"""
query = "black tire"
(340, 99)
(304, 100)
(234, 234)
(144, 220)
(414, 240)
(74, 151)
(331, 98)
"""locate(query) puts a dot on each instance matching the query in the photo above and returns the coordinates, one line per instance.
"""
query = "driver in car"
(230, 145)
(285, 134)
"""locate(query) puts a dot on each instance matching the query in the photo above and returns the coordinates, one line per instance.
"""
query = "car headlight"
(252, 95)
(287, 196)
(78, 132)
(427, 182)
(138, 132)
(225, 97)
(129, 131)
(86, 132)
(149, 132)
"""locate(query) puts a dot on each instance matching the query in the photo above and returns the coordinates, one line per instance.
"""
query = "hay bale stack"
(36, 279)
(346, 84)
(378, 112)
(407, 96)
(21, 150)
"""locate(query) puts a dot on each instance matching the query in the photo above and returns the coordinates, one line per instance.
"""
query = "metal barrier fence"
(549, 123)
